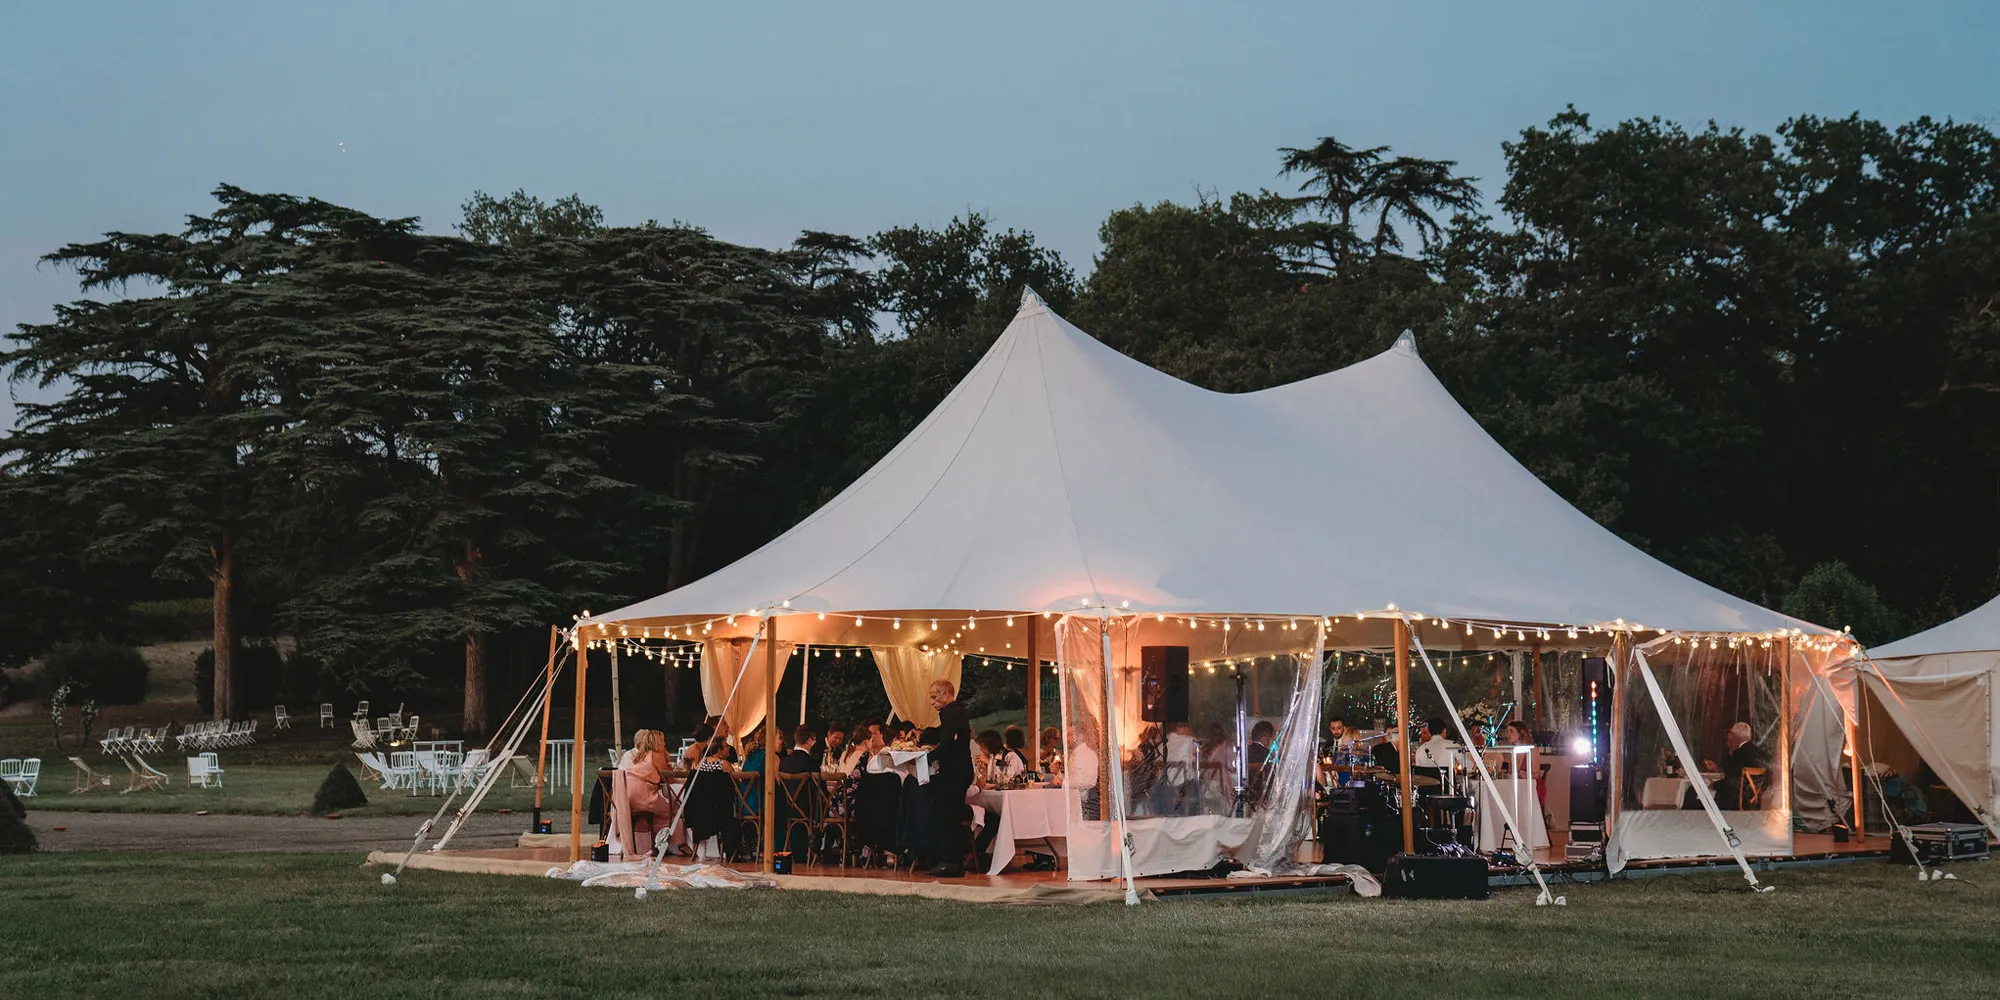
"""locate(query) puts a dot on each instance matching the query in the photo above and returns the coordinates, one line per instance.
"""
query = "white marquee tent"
(1061, 477)
(1939, 686)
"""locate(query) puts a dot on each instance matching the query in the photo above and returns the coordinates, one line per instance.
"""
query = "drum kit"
(1441, 810)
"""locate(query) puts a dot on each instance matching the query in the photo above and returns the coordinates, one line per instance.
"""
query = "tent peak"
(1406, 343)
(1029, 300)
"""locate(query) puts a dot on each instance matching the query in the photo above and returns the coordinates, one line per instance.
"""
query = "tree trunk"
(475, 682)
(477, 645)
(223, 704)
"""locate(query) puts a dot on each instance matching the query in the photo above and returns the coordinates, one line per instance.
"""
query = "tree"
(1341, 182)
(148, 445)
(1831, 595)
(521, 220)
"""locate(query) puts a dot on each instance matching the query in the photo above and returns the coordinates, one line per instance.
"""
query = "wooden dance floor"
(1055, 888)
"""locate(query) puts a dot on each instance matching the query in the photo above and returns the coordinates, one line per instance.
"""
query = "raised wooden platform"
(1012, 887)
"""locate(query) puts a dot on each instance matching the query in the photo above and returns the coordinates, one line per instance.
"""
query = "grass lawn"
(258, 790)
(275, 776)
(319, 925)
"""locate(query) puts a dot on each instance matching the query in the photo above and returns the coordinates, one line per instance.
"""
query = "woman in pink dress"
(645, 767)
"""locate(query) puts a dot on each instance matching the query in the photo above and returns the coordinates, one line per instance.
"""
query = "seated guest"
(804, 757)
(1743, 752)
(902, 729)
(753, 766)
(1015, 760)
(1052, 749)
(1260, 742)
(692, 753)
(711, 807)
(986, 751)
(645, 766)
(868, 739)
(834, 749)
(1338, 736)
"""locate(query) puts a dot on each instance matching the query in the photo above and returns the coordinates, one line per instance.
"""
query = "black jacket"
(952, 757)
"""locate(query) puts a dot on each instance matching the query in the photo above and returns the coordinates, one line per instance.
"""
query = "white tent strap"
(1691, 766)
(749, 657)
(528, 697)
(1486, 781)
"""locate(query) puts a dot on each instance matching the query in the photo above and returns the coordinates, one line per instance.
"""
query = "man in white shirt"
(1433, 753)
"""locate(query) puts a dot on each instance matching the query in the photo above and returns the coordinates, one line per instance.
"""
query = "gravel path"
(164, 832)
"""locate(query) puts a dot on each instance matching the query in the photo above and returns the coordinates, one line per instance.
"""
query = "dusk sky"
(757, 120)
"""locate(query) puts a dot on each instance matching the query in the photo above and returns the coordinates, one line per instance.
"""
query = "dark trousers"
(948, 816)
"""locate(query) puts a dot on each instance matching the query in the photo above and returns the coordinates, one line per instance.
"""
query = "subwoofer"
(1412, 876)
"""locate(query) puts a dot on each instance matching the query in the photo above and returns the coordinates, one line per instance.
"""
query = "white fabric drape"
(1945, 706)
(721, 661)
(907, 673)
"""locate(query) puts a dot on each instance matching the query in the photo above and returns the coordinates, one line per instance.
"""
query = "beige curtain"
(1944, 705)
(721, 661)
(907, 673)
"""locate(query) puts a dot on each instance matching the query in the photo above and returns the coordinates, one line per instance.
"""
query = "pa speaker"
(1163, 683)
(1413, 876)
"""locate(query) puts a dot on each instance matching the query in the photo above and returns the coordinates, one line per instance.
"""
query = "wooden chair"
(87, 779)
(833, 819)
(802, 803)
(750, 788)
(1749, 794)
(326, 715)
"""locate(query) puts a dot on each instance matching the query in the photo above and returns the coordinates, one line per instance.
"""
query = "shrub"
(338, 791)
(15, 837)
(108, 672)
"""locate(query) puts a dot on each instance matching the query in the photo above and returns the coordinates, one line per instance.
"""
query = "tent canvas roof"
(1976, 631)
(1062, 474)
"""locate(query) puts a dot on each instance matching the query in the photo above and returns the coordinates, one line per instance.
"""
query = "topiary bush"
(338, 791)
(109, 672)
(15, 837)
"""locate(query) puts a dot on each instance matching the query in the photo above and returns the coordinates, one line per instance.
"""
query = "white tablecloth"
(1026, 814)
(1664, 793)
(908, 763)
(1520, 799)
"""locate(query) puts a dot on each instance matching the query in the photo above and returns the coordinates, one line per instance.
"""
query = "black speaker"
(1586, 793)
(1411, 876)
(1163, 683)
(1365, 837)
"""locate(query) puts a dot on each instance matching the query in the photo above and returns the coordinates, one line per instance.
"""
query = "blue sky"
(757, 120)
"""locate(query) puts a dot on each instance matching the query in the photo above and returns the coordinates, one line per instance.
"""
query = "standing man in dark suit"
(951, 776)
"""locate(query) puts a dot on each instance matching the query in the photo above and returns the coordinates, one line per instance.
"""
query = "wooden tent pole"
(1536, 662)
(576, 764)
(1620, 642)
(1785, 730)
(1402, 731)
(542, 756)
(617, 720)
(1034, 700)
(1854, 758)
(770, 824)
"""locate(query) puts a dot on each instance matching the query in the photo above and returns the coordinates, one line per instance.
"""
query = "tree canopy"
(1770, 360)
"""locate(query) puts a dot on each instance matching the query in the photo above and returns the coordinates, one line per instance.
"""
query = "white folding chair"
(10, 770)
(361, 710)
(87, 779)
(403, 769)
(280, 720)
(326, 715)
(385, 728)
(364, 737)
(31, 773)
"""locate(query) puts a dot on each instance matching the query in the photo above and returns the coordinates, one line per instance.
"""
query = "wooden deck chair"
(144, 775)
(87, 779)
